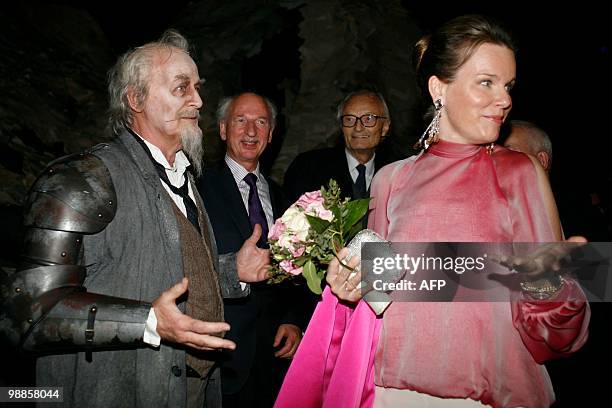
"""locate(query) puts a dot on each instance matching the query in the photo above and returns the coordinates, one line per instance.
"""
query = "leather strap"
(89, 332)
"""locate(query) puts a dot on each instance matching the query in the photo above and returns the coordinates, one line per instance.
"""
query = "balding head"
(528, 138)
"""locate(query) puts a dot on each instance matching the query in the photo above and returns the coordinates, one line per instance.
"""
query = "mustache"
(189, 114)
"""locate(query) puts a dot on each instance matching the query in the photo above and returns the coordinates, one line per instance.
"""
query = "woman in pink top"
(459, 188)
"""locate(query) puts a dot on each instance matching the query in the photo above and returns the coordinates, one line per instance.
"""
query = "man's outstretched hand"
(177, 327)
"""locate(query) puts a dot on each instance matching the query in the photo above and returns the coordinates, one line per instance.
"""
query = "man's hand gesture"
(177, 327)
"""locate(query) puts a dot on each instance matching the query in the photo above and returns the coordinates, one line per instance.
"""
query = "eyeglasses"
(367, 120)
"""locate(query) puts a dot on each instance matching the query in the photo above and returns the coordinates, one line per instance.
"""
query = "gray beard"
(191, 141)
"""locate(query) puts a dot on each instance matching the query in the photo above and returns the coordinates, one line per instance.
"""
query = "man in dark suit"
(237, 196)
(364, 118)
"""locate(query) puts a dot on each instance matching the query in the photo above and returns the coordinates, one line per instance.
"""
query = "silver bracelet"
(543, 289)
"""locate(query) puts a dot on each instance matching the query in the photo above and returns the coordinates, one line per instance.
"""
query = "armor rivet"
(110, 203)
(100, 215)
(50, 170)
(78, 241)
(18, 290)
(63, 254)
(30, 320)
(94, 309)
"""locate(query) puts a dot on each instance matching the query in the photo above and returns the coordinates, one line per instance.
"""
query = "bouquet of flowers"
(311, 232)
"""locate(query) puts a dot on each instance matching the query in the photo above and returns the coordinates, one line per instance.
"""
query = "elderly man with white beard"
(120, 284)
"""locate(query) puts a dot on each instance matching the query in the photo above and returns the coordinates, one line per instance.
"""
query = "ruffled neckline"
(445, 148)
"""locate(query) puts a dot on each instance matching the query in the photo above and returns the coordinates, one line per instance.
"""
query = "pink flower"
(324, 214)
(295, 252)
(277, 229)
(309, 199)
(312, 203)
(289, 267)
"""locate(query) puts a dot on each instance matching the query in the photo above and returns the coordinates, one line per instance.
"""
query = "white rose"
(284, 241)
(296, 223)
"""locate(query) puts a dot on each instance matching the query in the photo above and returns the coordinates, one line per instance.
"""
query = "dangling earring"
(430, 136)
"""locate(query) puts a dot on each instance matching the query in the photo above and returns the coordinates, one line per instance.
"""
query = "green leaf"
(318, 224)
(300, 260)
(312, 278)
(331, 194)
(353, 231)
(337, 211)
(355, 211)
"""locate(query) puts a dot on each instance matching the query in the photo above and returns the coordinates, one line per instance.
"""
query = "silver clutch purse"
(378, 301)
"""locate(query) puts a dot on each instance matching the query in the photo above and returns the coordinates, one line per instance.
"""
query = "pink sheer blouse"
(484, 351)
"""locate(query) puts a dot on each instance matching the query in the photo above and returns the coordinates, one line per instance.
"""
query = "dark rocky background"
(305, 55)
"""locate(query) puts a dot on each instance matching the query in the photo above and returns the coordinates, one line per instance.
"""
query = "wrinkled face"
(360, 138)
(247, 130)
(477, 101)
(173, 102)
(517, 141)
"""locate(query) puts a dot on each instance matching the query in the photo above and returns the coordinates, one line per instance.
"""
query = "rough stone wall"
(52, 82)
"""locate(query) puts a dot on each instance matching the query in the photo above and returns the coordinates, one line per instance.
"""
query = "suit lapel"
(274, 200)
(235, 206)
(344, 175)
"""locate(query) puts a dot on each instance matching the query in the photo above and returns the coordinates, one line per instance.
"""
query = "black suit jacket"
(255, 318)
(313, 169)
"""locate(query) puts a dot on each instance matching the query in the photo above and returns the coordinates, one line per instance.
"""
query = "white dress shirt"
(176, 173)
(176, 176)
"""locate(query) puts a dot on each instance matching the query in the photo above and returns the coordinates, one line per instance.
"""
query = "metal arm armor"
(44, 305)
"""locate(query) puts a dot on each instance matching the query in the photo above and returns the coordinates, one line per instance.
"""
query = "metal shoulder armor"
(74, 193)
(44, 305)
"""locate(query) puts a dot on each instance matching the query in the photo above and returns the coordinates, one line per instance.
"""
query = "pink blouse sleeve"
(552, 329)
(381, 188)
(556, 327)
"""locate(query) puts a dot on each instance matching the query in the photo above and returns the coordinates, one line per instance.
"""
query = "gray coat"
(137, 256)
